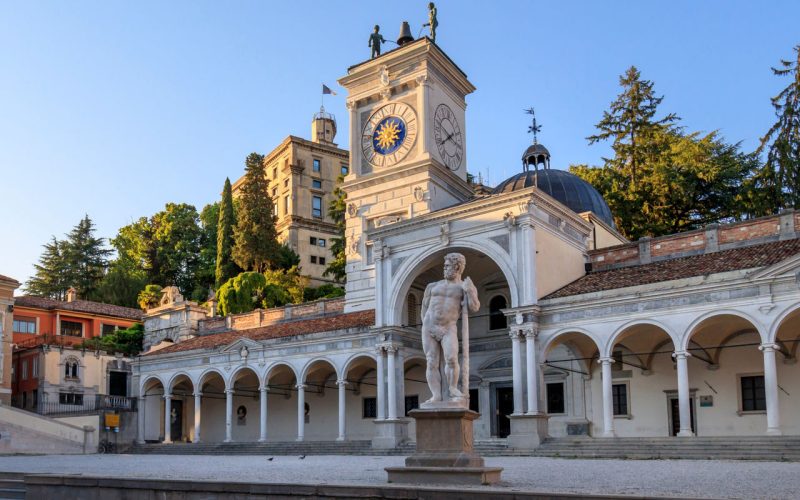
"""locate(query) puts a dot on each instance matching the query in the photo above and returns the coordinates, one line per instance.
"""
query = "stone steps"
(12, 486)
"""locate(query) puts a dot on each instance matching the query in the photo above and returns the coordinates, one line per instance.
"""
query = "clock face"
(389, 134)
(447, 134)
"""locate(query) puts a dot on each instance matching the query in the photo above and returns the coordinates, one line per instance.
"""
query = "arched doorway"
(246, 408)
(321, 401)
(151, 409)
(181, 408)
(361, 401)
(786, 340)
(282, 414)
(211, 385)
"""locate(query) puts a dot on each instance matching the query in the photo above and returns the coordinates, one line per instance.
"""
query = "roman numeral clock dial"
(389, 134)
(447, 134)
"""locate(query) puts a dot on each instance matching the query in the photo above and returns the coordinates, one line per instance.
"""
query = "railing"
(50, 339)
(89, 405)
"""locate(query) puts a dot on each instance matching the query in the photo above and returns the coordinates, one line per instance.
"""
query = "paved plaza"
(670, 478)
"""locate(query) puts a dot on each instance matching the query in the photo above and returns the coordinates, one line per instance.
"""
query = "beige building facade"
(302, 175)
(7, 287)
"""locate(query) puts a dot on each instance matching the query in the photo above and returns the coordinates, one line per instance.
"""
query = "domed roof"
(567, 188)
(535, 150)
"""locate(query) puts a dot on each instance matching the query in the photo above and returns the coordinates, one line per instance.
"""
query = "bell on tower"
(323, 127)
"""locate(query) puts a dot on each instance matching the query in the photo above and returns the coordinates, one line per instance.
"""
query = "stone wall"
(266, 317)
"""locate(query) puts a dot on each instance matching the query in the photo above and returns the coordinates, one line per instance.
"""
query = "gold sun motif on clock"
(388, 134)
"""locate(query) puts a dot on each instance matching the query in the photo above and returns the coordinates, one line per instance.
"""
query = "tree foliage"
(128, 341)
(241, 294)
(256, 243)
(205, 277)
(50, 280)
(779, 179)
(226, 268)
(149, 297)
(336, 211)
(284, 286)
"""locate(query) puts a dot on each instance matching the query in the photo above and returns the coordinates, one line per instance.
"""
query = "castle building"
(580, 332)
(302, 176)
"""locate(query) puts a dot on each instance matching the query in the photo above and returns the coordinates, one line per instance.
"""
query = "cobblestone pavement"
(674, 478)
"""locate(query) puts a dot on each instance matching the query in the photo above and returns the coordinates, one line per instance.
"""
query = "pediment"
(238, 344)
(786, 267)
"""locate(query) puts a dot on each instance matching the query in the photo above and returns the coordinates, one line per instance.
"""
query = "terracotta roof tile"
(6, 278)
(287, 329)
(734, 259)
(84, 306)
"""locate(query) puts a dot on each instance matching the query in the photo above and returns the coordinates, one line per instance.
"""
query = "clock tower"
(407, 150)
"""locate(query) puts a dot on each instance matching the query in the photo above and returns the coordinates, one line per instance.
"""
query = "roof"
(287, 329)
(734, 259)
(83, 306)
(569, 189)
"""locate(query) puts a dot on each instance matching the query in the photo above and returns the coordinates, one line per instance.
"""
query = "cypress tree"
(226, 267)
(255, 238)
(50, 279)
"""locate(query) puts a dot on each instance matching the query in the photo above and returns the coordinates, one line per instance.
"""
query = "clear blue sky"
(114, 108)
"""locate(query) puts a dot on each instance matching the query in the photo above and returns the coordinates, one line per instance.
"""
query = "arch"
(271, 371)
(355, 357)
(625, 329)
(410, 269)
(149, 378)
(549, 344)
(203, 376)
(772, 336)
(728, 338)
(175, 376)
(698, 322)
(304, 372)
(236, 373)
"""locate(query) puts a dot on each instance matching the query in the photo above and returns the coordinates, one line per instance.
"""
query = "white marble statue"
(444, 302)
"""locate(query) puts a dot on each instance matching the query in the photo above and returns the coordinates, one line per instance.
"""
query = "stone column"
(262, 420)
(771, 389)
(681, 360)
(228, 415)
(516, 360)
(167, 419)
(528, 245)
(608, 401)
(198, 401)
(532, 371)
(391, 353)
(140, 420)
(301, 411)
(381, 402)
(342, 395)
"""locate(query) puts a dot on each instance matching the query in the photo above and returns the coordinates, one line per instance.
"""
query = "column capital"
(300, 387)
(167, 396)
(769, 346)
(391, 349)
(379, 349)
(681, 354)
(198, 394)
(515, 334)
(141, 397)
(606, 360)
(341, 383)
(264, 388)
(228, 391)
(530, 332)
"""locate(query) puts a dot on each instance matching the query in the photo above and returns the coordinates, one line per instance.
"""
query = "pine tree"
(780, 176)
(50, 279)
(226, 267)
(256, 243)
(336, 211)
(86, 259)
(631, 123)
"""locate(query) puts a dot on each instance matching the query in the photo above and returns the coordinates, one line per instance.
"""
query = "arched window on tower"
(497, 320)
(413, 311)
(71, 369)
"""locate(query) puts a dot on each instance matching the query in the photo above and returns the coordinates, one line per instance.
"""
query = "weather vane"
(534, 128)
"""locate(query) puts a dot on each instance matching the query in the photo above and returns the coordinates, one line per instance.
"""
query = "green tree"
(255, 236)
(121, 284)
(241, 294)
(50, 279)
(226, 268)
(780, 175)
(149, 297)
(86, 259)
(336, 211)
(205, 278)
(286, 258)
(128, 341)
(283, 286)
(630, 124)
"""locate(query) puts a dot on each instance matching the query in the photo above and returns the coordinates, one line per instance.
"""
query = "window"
(274, 193)
(321, 261)
(316, 206)
(370, 408)
(68, 398)
(316, 184)
(71, 369)
(34, 397)
(313, 259)
(313, 240)
(474, 402)
(25, 369)
(275, 173)
(321, 242)
(71, 328)
(316, 165)
(753, 395)
(412, 403)
(497, 320)
(413, 314)
(286, 204)
(555, 398)
(23, 325)
(286, 183)
(35, 367)
(619, 395)
(345, 170)
(108, 329)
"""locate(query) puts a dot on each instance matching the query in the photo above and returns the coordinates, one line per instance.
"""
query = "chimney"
(72, 294)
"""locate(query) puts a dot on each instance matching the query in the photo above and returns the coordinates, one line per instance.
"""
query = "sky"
(113, 109)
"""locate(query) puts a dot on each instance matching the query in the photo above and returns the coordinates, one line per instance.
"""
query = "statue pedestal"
(390, 433)
(445, 453)
(527, 431)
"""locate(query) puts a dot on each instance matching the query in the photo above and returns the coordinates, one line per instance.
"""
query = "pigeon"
(270, 459)
(302, 457)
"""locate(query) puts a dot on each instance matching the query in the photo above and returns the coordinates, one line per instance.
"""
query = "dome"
(535, 150)
(567, 188)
